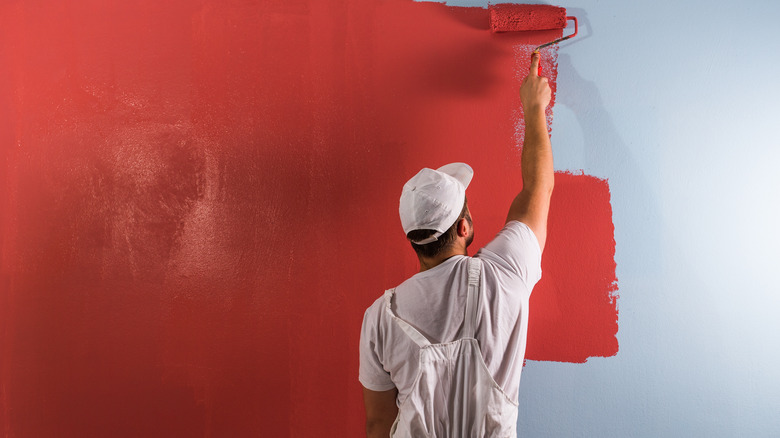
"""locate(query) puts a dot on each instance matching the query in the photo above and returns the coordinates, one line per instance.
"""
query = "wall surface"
(199, 199)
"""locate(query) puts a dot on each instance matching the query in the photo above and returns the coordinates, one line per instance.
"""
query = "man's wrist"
(534, 110)
(534, 115)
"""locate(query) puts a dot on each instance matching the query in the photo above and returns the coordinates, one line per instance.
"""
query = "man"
(441, 354)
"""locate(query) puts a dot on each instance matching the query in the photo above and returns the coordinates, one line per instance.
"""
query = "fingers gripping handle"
(536, 57)
(539, 69)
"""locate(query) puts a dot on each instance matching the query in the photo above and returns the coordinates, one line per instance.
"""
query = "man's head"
(433, 208)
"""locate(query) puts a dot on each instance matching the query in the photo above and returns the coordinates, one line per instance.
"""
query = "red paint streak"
(200, 200)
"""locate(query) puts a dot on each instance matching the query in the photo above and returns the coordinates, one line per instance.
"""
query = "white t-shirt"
(434, 301)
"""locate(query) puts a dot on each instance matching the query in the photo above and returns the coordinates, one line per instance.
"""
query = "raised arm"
(533, 202)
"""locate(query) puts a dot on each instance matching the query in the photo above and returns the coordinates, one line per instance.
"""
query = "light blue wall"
(676, 104)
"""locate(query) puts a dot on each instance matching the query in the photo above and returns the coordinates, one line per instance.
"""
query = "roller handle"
(576, 26)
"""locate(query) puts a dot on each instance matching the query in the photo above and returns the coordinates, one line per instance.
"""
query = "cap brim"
(460, 171)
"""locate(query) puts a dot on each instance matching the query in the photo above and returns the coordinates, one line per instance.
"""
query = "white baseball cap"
(433, 199)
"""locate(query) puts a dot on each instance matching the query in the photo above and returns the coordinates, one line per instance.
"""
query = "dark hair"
(434, 248)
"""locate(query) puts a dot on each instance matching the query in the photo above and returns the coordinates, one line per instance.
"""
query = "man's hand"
(535, 93)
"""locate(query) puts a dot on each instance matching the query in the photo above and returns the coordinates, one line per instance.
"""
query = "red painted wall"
(199, 199)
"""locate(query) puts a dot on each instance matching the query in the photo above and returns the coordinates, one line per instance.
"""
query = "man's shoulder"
(422, 282)
(514, 250)
(374, 310)
(514, 237)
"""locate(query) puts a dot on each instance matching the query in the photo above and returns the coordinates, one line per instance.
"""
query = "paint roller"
(507, 17)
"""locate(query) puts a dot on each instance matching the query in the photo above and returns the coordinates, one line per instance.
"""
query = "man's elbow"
(546, 188)
(540, 189)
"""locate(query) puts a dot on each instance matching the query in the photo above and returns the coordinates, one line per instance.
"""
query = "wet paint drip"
(202, 201)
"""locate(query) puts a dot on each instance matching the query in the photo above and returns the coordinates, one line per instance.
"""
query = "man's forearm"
(537, 157)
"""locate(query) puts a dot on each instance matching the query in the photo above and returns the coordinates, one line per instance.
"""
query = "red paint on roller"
(200, 200)
(507, 17)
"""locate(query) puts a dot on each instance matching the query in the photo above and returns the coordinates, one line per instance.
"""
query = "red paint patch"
(202, 200)
(574, 306)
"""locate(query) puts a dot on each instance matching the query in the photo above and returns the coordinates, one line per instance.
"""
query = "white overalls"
(454, 395)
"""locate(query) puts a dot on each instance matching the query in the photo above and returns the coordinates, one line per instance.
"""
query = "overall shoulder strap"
(472, 298)
(410, 331)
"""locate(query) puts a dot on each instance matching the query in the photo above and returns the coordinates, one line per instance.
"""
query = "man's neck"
(431, 262)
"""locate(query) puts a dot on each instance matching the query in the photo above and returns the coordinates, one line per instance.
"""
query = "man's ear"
(463, 227)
